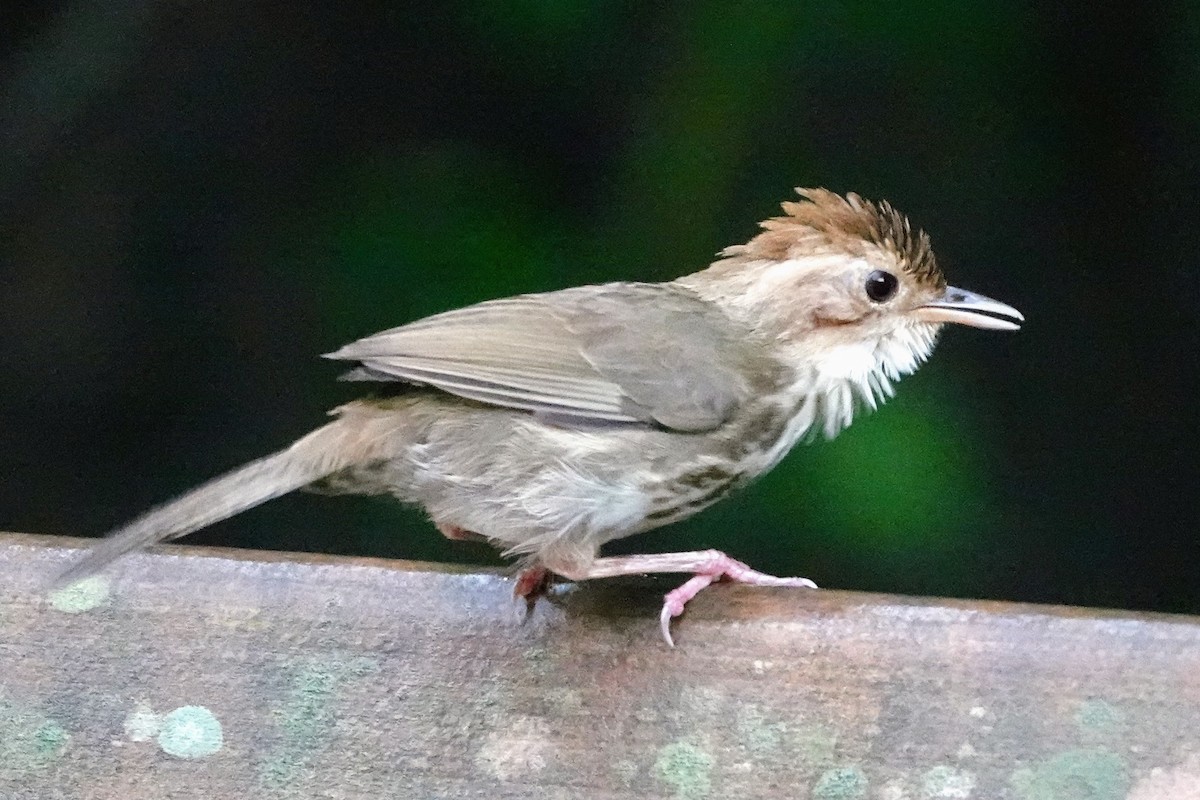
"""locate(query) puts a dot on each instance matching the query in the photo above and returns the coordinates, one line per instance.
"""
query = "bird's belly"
(752, 446)
(532, 487)
(535, 487)
(689, 493)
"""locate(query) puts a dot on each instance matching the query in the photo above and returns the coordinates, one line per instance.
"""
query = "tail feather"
(320, 453)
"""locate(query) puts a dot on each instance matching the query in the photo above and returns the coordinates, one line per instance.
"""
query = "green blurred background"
(195, 199)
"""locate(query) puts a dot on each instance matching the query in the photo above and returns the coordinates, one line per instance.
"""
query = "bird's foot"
(531, 583)
(718, 566)
(706, 566)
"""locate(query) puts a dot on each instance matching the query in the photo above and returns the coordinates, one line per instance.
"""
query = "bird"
(550, 424)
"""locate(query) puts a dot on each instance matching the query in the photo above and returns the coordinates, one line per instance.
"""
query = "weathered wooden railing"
(222, 674)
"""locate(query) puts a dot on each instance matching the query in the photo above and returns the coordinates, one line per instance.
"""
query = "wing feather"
(636, 353)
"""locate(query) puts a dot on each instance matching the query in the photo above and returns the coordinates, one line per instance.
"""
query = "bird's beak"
(968, 308)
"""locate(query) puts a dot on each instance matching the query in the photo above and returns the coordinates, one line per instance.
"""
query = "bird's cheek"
(806, 308)
(835, 312)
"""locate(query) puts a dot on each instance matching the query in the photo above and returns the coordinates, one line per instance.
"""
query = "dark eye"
(881, 285)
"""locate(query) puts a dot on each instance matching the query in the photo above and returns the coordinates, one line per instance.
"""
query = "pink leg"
(457, 534)
(708, 566)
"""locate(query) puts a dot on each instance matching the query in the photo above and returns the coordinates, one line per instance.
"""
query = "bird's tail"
(333, 447)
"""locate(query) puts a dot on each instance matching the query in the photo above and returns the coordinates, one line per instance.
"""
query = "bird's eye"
(881, 285)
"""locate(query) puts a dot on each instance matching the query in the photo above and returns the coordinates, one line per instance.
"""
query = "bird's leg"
(531, 584)
(457, 534)
(707, 566)
(532, 581)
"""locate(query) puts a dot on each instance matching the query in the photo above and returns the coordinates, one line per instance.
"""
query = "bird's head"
(846, 293)
(844, 263)
(843, 272)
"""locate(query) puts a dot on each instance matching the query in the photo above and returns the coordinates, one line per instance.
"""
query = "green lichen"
(696, 702)
(1073, 775)
(1098, 719)
(841, 783)
(142, 724)
(83, 595)
(685, 768)
(49, 740)
(756, 733)
(814, 745)
(307, 715)
(29, 740)
(190, 732)
(944, 781)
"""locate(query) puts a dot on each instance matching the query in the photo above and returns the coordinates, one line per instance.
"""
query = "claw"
(675, 600)
(720, 567)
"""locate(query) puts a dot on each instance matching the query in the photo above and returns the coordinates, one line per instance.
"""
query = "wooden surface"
(221, 674)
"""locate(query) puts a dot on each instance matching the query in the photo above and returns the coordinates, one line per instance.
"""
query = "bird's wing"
(648, 353)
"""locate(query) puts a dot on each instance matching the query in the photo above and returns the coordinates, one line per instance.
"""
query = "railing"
(229, 674)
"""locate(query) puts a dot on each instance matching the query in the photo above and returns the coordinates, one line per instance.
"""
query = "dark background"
(197, 198)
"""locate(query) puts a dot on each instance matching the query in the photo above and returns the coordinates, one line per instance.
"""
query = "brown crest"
(824, 221)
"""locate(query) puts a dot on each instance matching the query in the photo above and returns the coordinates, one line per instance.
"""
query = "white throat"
(861, 375)
(832, 387)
